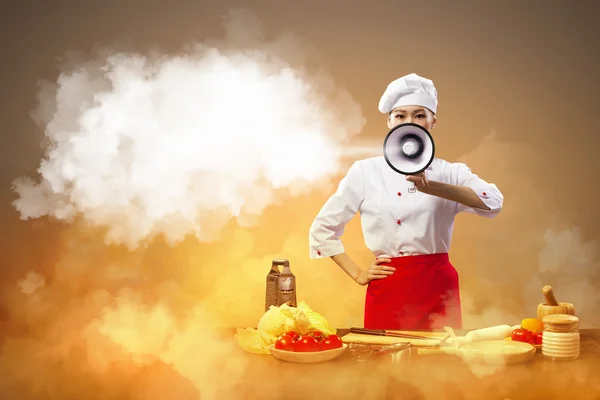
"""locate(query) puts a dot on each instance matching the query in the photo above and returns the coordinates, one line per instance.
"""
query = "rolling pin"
(551, 306)
(493, 333)
(498, 332)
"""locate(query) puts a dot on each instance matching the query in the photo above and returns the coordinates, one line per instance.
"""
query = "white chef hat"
(409, 90)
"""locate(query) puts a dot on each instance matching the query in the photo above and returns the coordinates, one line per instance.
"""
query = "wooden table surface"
(435, 377)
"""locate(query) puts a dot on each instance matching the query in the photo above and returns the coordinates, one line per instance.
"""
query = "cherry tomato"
(306, 344)
(294, 335)
(285, 342)
(522, 335)
(317, 335)
(537, 339)
(331, 342)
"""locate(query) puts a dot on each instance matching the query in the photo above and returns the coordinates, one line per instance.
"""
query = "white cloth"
(396, 220)
(409, 90)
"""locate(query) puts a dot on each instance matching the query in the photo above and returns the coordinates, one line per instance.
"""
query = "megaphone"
(408, 149)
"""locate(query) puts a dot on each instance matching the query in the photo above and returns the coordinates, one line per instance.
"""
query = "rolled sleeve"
(328, 226)
(489, 194)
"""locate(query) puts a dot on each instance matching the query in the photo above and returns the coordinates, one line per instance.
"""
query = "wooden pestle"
(549, 295)
(551, 306)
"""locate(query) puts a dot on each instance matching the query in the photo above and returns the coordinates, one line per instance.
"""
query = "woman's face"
(412, 114)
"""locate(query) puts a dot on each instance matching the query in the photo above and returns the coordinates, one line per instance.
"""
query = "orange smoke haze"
(138, 318)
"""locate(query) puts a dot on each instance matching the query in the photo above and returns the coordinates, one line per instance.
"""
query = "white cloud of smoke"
(144, 145)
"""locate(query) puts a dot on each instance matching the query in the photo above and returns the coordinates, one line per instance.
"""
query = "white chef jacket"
(397, 220)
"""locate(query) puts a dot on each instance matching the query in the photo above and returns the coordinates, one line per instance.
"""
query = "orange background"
(518, 100)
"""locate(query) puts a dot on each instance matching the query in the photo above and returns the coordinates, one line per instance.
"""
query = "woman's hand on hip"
(376, 271)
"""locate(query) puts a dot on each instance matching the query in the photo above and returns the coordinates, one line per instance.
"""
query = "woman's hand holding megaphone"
(460, 194)
(420, 181)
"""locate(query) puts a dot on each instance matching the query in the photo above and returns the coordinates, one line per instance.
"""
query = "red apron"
(422, 294)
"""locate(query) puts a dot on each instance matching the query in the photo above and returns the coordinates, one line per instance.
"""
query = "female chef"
(411, 284)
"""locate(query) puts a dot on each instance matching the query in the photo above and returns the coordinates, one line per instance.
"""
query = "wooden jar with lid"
(560, 337)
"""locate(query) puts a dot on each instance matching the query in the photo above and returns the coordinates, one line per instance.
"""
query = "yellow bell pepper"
(532, 324)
